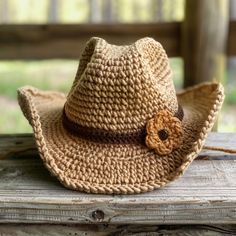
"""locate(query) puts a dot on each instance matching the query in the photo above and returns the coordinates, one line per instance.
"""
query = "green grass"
(176, 65)
(12, 120)
(231, 96)
(46, 75)
(53, 74)
(78, 11)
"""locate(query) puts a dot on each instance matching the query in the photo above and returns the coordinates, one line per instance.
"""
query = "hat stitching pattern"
(107, 188)
(115, 93)
(120, 89)
(107, 136)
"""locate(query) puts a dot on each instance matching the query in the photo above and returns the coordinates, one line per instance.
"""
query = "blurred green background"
(59, 74)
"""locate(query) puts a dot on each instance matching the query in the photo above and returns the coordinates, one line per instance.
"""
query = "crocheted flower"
(164, 133)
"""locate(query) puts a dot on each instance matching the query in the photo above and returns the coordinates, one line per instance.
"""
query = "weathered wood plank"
(221, 140)
(231, 46)
(17, 145)
(67, 41)
(204, 39)
(205, 194)
(23, 145)
(117, 230)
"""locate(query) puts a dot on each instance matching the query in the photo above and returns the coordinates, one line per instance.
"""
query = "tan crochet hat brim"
(113, 168)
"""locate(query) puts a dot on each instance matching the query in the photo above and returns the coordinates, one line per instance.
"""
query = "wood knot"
(98, 215)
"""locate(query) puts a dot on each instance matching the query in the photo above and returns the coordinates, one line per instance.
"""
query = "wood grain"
(23, 145)
(116, 230)
(231, 45)
(17, 145)
(204, 40)
(68, 41)
(205, 194)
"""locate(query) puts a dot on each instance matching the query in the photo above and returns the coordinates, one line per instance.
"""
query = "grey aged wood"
(18, 145)
(117, 230)
(206, 194)
(67, 41)
(204, 40)
(231, 46)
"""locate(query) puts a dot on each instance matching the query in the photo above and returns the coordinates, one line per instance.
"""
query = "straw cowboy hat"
(121, 128)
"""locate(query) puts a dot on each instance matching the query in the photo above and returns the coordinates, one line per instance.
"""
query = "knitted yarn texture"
(122, 128)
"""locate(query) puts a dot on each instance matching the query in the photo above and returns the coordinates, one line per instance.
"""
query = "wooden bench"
(32, 202)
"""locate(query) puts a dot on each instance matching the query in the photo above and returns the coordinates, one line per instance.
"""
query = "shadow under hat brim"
(93, 167)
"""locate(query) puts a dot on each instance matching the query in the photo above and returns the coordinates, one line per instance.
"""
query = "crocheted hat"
(122, 128)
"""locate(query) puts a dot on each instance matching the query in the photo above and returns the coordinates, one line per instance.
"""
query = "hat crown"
(119, 88)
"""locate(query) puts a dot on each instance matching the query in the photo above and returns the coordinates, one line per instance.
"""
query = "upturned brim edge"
(42, 109)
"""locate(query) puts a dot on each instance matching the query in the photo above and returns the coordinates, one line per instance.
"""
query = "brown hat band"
(107, 136)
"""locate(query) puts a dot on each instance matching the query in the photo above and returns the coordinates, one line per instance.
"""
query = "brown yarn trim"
(220, 149)
(107, 136)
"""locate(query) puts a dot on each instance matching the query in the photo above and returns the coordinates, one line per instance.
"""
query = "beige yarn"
(118, 88)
